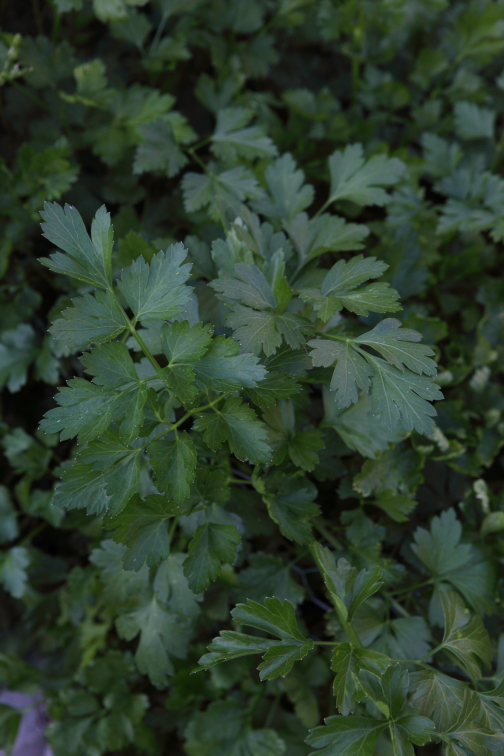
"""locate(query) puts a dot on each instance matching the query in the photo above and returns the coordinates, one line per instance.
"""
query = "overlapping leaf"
(342, 288)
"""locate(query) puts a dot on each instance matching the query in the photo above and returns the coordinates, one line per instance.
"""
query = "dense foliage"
(244, 524)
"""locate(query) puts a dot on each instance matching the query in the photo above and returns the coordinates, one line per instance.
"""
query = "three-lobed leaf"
(359, 180)
(274, 617)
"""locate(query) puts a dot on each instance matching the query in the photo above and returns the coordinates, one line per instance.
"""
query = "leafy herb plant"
(251, 416)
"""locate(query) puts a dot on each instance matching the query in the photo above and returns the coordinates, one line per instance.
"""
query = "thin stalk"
(200, 144)
(32, 97)
(411, 588)
(326, 643)
(498, 152)
(174, 426)
(172, 530)
(327, 535)
(321, 209)
(272, 710)
(145, 348)
(32, 534)
(159, 31)
(38, 17)
(197, 159)
(56, 27)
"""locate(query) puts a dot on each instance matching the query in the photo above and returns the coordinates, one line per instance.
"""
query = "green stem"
(159, 31)
(56, 27)
(172, 530)
(38, 17)
(32, 97)
(411, 588)
(431, 653)
(337, 338)
(326, 643)
(272, 710)
(32, 534)
(174, 426)
(327, 535)
(197, 159)
(395, 604)
(321, 209)
(145, 348)
(355, 76)
(497, 154)
(198, 145)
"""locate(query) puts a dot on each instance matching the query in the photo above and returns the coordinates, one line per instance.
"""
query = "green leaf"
(86, 410)
(232, 140)
(274, 617)
(300, 446)
(158, 150)
(18, 349)
(291, 505)
(171, 587)
(403, 397)
(211, 544)
(174, 462)
(347, 587)
(237, 424)
(255, 330)
(346, 736)
(397, 345)
(357, 425)
(388, 692)
(400, 638)
(87, 259)
(182, 342)
(13, 570)
(437, 696)
(465, 636)
(268, 575)
(275, 386)
(440, 549)
(288, 193)
(342, 288)
(163, 634)
(142, 526)
(221, 190)
(451, 561)
(104, 476)
(351, 372)
(327, 233)
(411, 730)
(397, 470)
(156, 290)
(120, 586)
(467, 733)
(359, 180)
(92, 320)
(232, 645)
(248, 285)
(8, 517)
(397, 506)
(223, 369)
(473, 121)
(347, 662)
(110, 365)
(223, 730)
